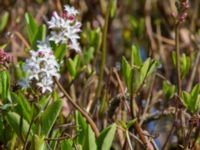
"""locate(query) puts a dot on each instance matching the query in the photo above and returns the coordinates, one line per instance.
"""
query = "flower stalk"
(83, 112)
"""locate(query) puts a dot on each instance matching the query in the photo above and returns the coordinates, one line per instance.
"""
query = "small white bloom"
(75, 45)
(42, 67)
(24, 83)
(65, 29)
(70, 10)
(58, 37)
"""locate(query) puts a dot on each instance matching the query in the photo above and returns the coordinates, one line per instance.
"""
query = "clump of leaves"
(184, 63)
(137, 71)
(192, 100)
(169, 89)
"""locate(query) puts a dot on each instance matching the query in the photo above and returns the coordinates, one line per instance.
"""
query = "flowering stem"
(21, 37)
(179, 74)
(83, 112)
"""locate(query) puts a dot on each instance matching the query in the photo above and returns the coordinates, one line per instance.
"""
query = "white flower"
(65, 29)
(75, 45)
(41, 68)
(58, 37)
(71, 11)
(24, 83)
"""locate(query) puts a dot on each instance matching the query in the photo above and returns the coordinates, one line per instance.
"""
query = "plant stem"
(194, 70)
(29, 130)
(178, 59)
(103, 56)
(136, 124)
(83, 112)
(129, 141)
(179, 73)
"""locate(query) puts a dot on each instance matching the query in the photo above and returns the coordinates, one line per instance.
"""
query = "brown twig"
(148, 101)
(84, 113)
(194, 70)
(178, 59)
(148, 25)
(132, 135)
(21, 37)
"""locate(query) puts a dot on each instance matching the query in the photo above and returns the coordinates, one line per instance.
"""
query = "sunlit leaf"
(49, 117)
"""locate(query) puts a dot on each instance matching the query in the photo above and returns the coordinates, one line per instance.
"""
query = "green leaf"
(130, 123)
(76, 61)
(135, 81)
(4, 85)
(127, 72)
(186, 98)
(38, 143)
(122, 124)
(24, 106)
(66, 144)
(194, 104)
(71, 67)
(90, 141)
(184, 63)
(169, 90)
(195, 91)
(39, 36)
(31, 27)
(113, 8)
(192, 100)
(141, 27)
(60, 51)
(19, 74)
(6, 107)
(133, 22)
(153, 66)
(44, 101)
(106, 137)
(197, 104)
(88, 55)
(81, 128)
(135, 56)
(4, 21)
(13, 120)
(174, 57)
(55, 134)
(144, 70)
(49, 117)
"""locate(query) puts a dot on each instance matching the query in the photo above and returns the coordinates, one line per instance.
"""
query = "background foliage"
(126, 78)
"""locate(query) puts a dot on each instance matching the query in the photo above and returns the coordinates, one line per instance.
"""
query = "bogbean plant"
(31, 107)
(30, 112)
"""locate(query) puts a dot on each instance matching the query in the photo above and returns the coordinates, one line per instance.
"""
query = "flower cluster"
(65, 28)
(42, 67)
(5, 58)
(182, 11)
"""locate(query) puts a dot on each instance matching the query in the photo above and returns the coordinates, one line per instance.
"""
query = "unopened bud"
(71, 18)
(173, 14)
(64, 15)
(185, 5)
(183, 17)
(5, 58)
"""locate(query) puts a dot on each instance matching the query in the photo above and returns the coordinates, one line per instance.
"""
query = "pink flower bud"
(40, 54)
(4, 57)
(173, 14)
(183, 16)
(71, 17)
(64, 15)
